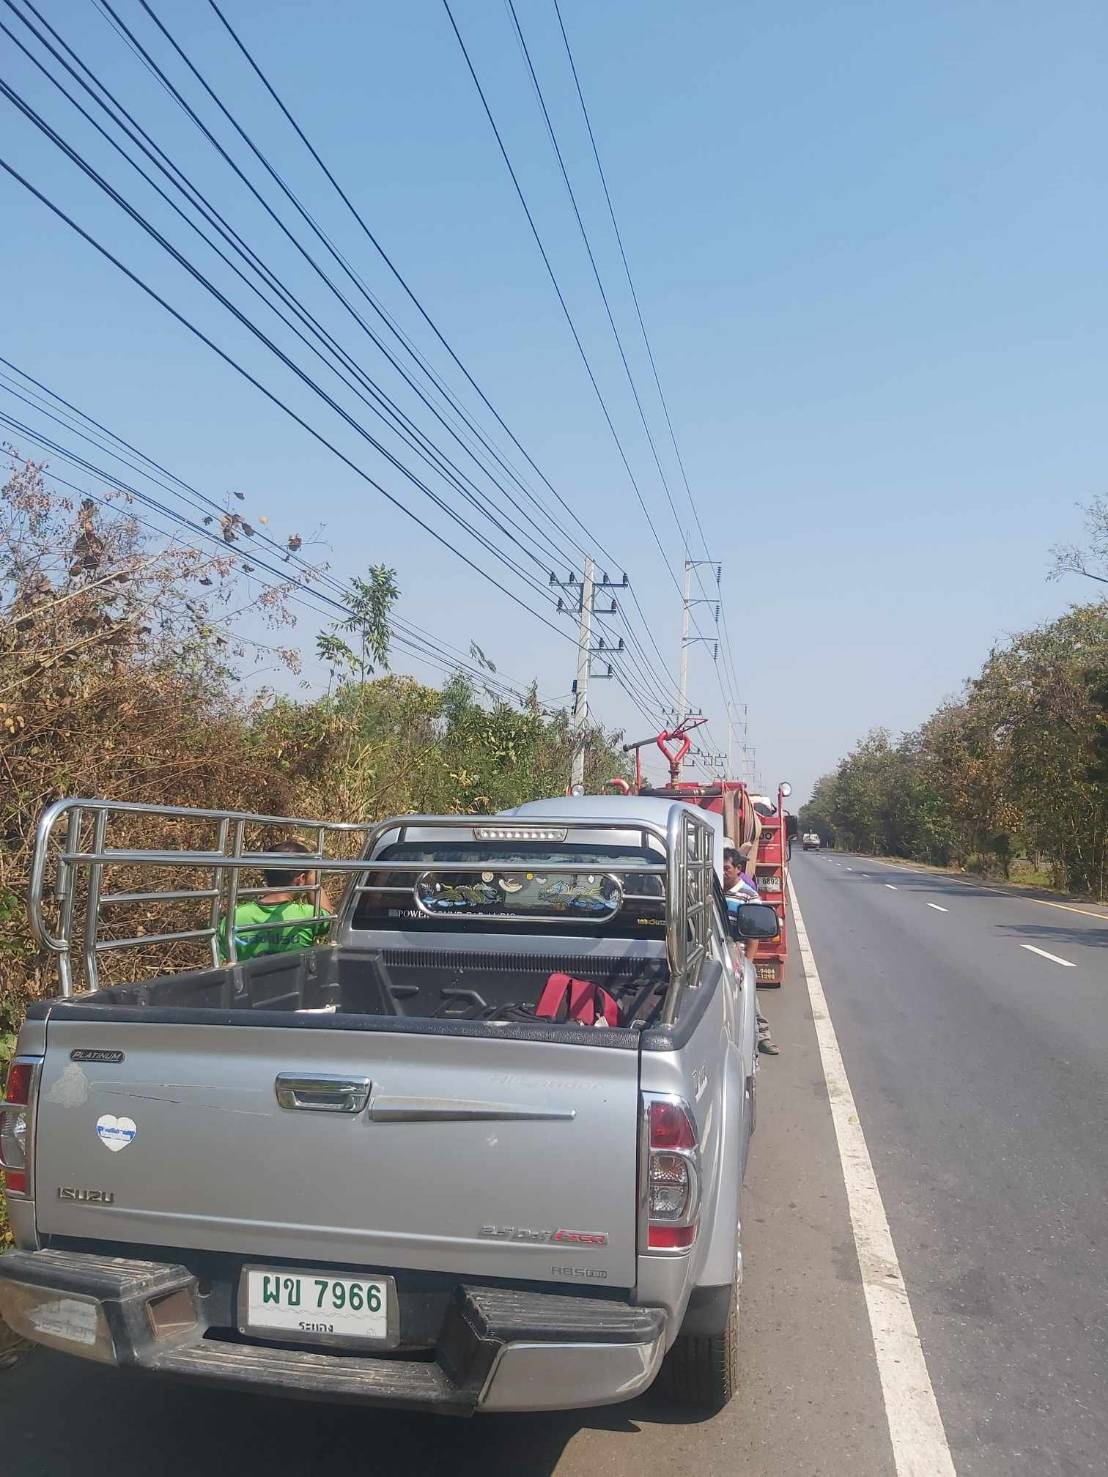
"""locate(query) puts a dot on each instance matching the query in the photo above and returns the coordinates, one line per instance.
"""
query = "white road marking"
(890, 886)
(919, 1442)
(937, 908)
(1068, 963)
(850, 869)
(998, 891)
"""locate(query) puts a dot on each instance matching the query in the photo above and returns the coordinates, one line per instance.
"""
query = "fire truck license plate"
(311, 1307)
(769, 884)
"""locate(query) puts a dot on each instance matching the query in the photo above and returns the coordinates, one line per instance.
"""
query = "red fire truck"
(749, 819)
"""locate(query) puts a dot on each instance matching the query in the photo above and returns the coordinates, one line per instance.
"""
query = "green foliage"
(370, 603)
(393, 745)
(1017, 767)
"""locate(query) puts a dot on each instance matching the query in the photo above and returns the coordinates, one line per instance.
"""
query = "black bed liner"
(417, 991)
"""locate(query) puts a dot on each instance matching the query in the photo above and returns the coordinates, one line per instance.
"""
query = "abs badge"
(115, 1133)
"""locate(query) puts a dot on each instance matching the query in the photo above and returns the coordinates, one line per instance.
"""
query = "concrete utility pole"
(585, 608)
(683, 668)
(731, 725)
(581, 686)
(686, 640)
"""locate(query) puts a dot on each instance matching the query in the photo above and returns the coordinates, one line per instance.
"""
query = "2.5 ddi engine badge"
(583, 1240)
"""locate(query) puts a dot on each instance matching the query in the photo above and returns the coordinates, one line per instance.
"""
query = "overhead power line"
(630, 283)
(405, 285)
(135, 215)
(559, 293)
(311, 222)
(271, 395)
(565, 308)
(311, 580)
(252, 62)
(630, 279)
(198, 200)
(391, 414)
(328, 399)
(180, 181)
(551, 132)
(307, 593)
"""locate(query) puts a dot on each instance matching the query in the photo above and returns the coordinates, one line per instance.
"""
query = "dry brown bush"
(115, 680)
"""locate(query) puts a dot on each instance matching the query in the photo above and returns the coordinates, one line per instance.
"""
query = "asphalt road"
(980, 1076)
(973, 1023)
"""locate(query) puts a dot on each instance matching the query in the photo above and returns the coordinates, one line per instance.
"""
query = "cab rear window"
(606, 894)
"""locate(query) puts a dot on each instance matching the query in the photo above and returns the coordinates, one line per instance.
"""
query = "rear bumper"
(498, 1349)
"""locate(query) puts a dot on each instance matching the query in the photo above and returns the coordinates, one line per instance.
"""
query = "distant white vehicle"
(811, 841)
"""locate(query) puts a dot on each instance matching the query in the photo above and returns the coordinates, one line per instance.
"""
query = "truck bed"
(402, 983)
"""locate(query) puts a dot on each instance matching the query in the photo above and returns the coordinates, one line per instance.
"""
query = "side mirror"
(785, 788)
(752, 921)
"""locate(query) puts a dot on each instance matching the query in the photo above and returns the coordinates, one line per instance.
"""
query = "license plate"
(769, 884)
(317, 1307)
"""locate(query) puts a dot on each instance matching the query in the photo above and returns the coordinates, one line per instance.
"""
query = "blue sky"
(868, 239)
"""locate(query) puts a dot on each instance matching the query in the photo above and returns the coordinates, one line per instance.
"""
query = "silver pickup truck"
(480, 1148)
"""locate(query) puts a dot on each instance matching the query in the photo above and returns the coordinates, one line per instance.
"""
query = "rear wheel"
(702, 1369)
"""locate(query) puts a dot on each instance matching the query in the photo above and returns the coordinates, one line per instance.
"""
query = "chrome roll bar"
(686, 842)
(225, 858)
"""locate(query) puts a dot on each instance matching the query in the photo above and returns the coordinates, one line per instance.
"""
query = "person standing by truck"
(737, 883)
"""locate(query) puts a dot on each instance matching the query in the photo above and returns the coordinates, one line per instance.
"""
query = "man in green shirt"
(280, 920)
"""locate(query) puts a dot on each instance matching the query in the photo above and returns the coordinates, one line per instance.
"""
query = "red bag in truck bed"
(564, 998)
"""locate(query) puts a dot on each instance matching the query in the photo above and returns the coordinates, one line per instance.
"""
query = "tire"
(701, 1371)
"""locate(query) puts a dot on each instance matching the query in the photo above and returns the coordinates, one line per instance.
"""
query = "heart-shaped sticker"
(115, 1133)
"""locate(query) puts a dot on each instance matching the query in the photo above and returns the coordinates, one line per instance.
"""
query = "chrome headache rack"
(68, 903)
(73, 852)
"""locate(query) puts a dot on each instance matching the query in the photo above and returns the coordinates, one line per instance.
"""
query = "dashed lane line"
(1043, 902)
(891, 888)
(1066, 963)
(916, 1432)
(937, 908)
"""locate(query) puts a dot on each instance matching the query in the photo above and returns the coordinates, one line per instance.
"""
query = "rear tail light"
(17, 1126)
(670, 1189)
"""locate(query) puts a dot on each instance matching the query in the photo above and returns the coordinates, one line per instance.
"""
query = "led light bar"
(520, 833)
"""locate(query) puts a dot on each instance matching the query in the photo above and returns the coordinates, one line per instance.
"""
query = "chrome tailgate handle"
(321, 1093)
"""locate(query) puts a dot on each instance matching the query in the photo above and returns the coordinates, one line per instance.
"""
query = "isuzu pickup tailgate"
(477, 1155)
